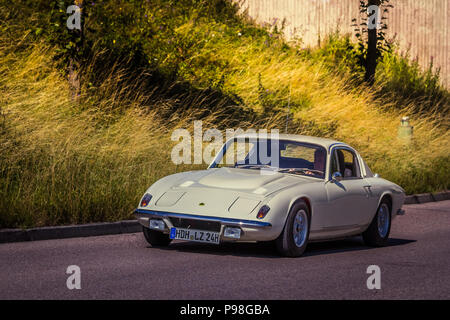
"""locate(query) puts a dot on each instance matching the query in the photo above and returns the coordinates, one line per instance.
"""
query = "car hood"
(242, 180)
(222, 192)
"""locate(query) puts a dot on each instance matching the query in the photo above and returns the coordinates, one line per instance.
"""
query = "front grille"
(195, 224)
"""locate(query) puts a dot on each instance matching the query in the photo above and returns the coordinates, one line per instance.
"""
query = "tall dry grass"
(65, 161)
(58, 165)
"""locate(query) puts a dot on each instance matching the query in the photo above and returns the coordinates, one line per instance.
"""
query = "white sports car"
(291, 190)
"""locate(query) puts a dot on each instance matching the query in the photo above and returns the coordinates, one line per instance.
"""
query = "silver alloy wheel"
(383, 220)
(300, 227)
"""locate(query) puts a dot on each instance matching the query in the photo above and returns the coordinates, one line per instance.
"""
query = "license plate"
(194, 235)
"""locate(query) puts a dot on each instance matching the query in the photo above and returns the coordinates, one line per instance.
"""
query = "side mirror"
(336, 176)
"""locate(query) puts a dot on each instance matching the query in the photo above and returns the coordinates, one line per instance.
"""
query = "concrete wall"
(420, 26)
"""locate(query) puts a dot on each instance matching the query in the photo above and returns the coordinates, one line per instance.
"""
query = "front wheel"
(377, 234)
(156, 238)
(294, 238)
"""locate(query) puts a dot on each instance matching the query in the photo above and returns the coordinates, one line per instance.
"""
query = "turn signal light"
(146, 199)
(262, 212)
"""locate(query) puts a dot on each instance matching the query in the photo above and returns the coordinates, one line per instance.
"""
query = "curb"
(132, 226)
(427, 197)
(74, 231)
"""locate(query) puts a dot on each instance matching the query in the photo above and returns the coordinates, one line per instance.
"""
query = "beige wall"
(419, 25)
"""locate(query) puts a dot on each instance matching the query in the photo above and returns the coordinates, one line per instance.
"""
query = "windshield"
(278, 155)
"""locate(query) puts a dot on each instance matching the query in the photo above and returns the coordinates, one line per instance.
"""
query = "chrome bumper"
(143, 217)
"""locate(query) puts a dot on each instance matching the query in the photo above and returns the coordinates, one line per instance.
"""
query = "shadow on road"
(350, 244)
(268, 250)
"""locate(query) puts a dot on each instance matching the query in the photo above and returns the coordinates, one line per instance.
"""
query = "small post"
(405, 130)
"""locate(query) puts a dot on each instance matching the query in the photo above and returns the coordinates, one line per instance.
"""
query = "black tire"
(156, 238)
(285, 243)
(373, 236)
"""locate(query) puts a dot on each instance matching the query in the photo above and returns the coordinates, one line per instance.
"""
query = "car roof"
(298, 138)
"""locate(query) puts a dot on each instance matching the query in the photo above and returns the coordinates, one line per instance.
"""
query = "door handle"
(368, 190)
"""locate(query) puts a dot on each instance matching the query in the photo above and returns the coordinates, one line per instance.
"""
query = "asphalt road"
(416, 265)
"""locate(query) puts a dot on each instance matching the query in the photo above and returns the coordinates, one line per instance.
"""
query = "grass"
(65, 162)
(68, 161)
(58, 163)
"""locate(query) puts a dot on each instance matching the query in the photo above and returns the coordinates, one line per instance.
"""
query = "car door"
(347, 196)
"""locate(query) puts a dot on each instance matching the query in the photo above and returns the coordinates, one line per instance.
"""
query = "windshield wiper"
(299, 170)
(254, 166)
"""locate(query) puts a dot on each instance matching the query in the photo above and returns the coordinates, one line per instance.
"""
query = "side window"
(334, 163)
(369, 173)
(347, 163)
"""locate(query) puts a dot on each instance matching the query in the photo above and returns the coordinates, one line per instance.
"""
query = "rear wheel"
(377, 234)
(294, 238)
(156, 238)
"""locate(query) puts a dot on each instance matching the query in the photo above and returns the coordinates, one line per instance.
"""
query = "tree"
(373, 47)
(371, 58)
(75, 47)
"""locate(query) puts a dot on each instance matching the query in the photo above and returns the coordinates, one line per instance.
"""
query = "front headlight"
(146, 199)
